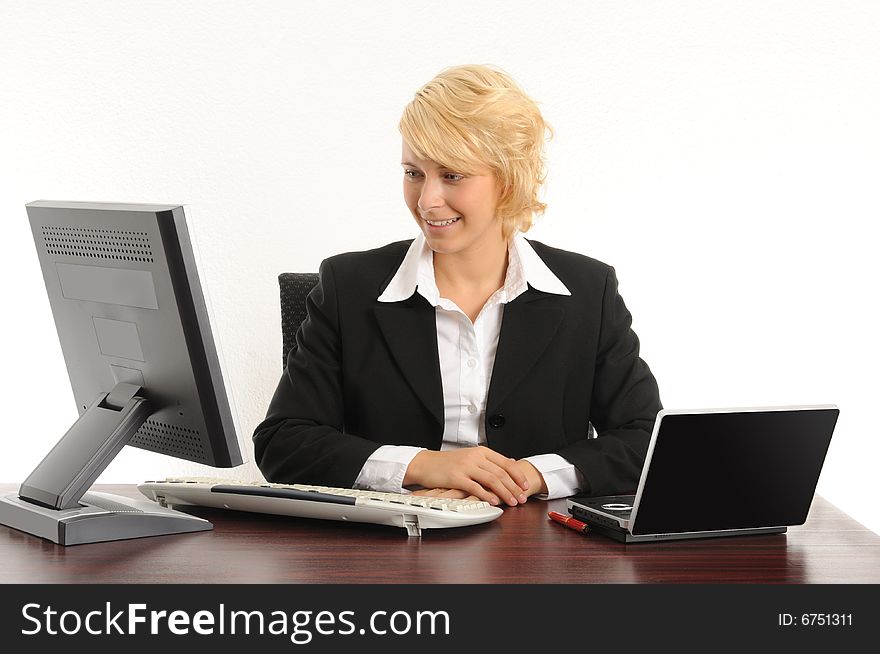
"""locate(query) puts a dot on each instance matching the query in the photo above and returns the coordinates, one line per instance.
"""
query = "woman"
(468, 361)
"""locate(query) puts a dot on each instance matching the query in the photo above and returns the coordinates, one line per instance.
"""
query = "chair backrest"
(295, 287)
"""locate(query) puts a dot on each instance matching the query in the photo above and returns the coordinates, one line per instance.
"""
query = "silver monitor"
(142, 361)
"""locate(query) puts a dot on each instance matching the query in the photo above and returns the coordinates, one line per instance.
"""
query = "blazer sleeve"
(624, 405)
(302, 439)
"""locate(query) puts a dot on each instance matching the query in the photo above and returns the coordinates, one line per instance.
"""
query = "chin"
(441, 247)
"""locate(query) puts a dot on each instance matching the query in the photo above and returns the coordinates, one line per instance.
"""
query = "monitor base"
(100, 517)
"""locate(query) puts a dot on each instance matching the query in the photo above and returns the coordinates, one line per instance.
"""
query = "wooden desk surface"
(523, 546)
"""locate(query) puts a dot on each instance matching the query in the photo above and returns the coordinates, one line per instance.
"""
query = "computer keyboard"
(412, 512)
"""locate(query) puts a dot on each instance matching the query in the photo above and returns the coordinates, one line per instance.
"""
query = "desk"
(523, 546)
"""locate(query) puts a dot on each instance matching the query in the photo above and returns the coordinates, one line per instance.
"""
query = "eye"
(410, 174)
(454, 177)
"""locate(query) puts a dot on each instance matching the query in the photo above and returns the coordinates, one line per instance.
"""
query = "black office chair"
(295, 287)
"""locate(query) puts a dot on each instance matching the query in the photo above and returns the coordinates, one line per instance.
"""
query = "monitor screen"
(134, 329)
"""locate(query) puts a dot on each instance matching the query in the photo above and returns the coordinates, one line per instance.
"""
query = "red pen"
(570, 522)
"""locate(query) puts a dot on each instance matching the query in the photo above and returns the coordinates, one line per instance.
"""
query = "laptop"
(719, 472)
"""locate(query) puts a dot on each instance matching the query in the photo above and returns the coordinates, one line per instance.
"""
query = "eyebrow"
(412, 165)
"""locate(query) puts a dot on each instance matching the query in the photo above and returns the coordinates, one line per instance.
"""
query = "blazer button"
(497, 420)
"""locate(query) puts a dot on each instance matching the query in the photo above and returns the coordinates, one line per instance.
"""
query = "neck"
(480, 268)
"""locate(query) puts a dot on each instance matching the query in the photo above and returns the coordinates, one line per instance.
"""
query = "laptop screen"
(733, 470)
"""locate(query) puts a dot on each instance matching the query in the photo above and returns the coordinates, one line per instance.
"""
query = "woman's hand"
(533, 476)
(452, 493)
(478, 471)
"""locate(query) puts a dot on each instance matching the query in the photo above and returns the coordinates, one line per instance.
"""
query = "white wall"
(723, 156)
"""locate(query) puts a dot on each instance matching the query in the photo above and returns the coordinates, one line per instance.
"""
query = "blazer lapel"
(410, 330)
(527, 328)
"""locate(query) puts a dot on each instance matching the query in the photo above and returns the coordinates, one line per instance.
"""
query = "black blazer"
(366, 373)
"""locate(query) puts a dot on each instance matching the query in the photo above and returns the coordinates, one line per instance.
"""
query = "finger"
(454, 493)
(432, 492)
(509, 465)
(483, 494)
(494, 484)
(510, 484)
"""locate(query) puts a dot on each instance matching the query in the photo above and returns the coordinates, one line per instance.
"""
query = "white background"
(724, 157)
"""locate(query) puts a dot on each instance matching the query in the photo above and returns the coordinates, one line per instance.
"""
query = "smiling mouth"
(443, 223)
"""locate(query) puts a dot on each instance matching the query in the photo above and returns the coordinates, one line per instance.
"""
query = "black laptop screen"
(734, 470)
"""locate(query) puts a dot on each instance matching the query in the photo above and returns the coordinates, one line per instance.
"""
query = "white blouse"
(467, 355)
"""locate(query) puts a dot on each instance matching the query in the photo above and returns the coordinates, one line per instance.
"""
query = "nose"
(431, 197)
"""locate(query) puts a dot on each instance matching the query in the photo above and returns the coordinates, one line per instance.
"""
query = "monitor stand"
(52, 503)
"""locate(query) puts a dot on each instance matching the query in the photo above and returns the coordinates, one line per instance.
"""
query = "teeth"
(442, 223)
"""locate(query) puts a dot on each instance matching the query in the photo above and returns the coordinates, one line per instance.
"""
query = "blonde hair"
(472, 115)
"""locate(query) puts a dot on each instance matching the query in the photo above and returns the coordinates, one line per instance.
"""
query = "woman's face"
(435, 195)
